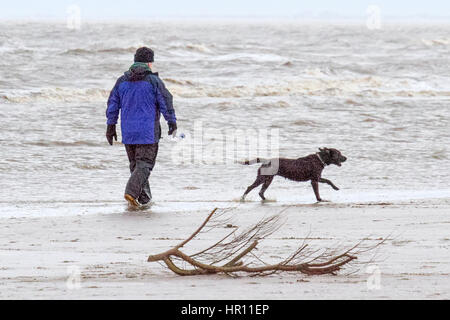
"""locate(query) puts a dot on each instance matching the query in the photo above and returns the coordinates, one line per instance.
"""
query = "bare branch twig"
(326, 262)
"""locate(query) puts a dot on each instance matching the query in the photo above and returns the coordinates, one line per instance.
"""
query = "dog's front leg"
(329, 183)
(315, 185)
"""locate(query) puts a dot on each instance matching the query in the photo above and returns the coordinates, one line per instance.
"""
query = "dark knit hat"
(144, 55)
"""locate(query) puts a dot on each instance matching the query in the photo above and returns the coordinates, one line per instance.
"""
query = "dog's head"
(332, 156)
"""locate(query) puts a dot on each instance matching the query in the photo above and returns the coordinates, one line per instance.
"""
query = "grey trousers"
(142, 161)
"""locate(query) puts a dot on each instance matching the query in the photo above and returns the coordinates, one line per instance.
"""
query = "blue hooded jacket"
(140, 96)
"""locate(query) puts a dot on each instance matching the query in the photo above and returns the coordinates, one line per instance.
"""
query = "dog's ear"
(325, 150)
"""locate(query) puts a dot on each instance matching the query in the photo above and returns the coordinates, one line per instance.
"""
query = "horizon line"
(296, 18)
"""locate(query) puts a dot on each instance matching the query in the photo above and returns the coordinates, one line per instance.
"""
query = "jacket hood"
(138, 71)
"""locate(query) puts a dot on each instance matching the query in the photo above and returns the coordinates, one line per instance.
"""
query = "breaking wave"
(360, 87)
(79, 51)
(44, 143)
(90, 166)
(200, 48)
(179, 82)
(357, 87)
(58, 95)
(436, 42)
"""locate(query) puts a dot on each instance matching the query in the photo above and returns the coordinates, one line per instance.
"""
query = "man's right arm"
(112, 112)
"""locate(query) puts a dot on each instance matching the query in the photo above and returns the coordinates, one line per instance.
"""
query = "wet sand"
(38, 254)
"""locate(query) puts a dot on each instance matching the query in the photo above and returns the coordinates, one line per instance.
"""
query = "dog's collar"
(321, 160)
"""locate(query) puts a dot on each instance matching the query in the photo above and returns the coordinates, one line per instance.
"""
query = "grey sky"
(109, 9)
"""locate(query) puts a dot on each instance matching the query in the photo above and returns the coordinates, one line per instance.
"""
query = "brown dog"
(303, 169)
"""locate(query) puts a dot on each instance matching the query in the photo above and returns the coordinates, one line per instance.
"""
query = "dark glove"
(172, 128)
(111, 133)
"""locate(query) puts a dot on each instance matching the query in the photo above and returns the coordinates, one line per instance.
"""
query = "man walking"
(140, 97)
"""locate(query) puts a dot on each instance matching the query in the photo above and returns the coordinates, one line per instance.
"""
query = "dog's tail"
(252, 162)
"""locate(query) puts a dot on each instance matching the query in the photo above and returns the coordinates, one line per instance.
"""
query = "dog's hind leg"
(259, 181)
(329, 183)
(266, 185)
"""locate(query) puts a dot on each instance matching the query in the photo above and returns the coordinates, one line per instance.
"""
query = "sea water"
(382, 97)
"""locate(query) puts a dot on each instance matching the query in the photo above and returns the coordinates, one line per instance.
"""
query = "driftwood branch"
(238, 249)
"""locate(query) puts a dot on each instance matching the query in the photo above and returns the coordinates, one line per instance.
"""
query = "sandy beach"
(110, 252)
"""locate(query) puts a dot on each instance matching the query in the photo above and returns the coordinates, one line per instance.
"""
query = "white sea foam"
(317, 86)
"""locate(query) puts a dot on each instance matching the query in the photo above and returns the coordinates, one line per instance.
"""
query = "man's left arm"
(165, 102)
